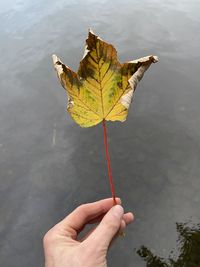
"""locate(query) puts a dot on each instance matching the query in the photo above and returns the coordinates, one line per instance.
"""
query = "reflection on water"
(189, 246)
(49, 165)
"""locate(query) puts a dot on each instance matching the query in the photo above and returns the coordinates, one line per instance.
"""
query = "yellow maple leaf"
(102, 89)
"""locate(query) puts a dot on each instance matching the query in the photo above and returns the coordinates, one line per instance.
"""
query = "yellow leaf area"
(102, 88)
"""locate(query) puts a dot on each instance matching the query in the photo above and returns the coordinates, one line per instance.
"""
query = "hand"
(62, 247)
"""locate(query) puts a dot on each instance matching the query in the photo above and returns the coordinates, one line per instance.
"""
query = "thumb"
(107, 229)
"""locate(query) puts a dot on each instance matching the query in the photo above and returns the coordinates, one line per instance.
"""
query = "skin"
(63, 248)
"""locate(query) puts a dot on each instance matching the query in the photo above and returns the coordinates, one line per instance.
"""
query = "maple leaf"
(103, 88)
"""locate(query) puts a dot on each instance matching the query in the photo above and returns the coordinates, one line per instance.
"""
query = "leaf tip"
(90, 31)
(57, 65)
(55, 59)
(154, 59)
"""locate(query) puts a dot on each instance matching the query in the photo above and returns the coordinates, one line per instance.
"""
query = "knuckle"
(82, 207)
(48, 238)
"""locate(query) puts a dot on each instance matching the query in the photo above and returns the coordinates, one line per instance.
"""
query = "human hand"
(62, 247)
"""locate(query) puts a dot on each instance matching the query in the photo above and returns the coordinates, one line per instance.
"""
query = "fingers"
(85, 213)
(126, 219)
(107, 229)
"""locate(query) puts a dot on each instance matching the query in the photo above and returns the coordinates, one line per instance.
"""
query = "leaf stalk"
(108, 163)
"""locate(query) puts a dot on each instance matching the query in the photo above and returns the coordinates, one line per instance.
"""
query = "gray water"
(49, 165)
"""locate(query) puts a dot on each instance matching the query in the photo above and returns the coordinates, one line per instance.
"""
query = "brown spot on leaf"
(119, 84)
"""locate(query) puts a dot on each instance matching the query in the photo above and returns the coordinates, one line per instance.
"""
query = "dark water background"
(49, 165)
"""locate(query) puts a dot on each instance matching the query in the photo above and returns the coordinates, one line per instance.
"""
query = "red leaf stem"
(108, 163)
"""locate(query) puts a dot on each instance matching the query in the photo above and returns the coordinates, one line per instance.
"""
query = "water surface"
(49, 165)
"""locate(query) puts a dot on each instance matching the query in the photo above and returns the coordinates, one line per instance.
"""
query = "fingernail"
(118, 211)
(119, 200)
(132, 216)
